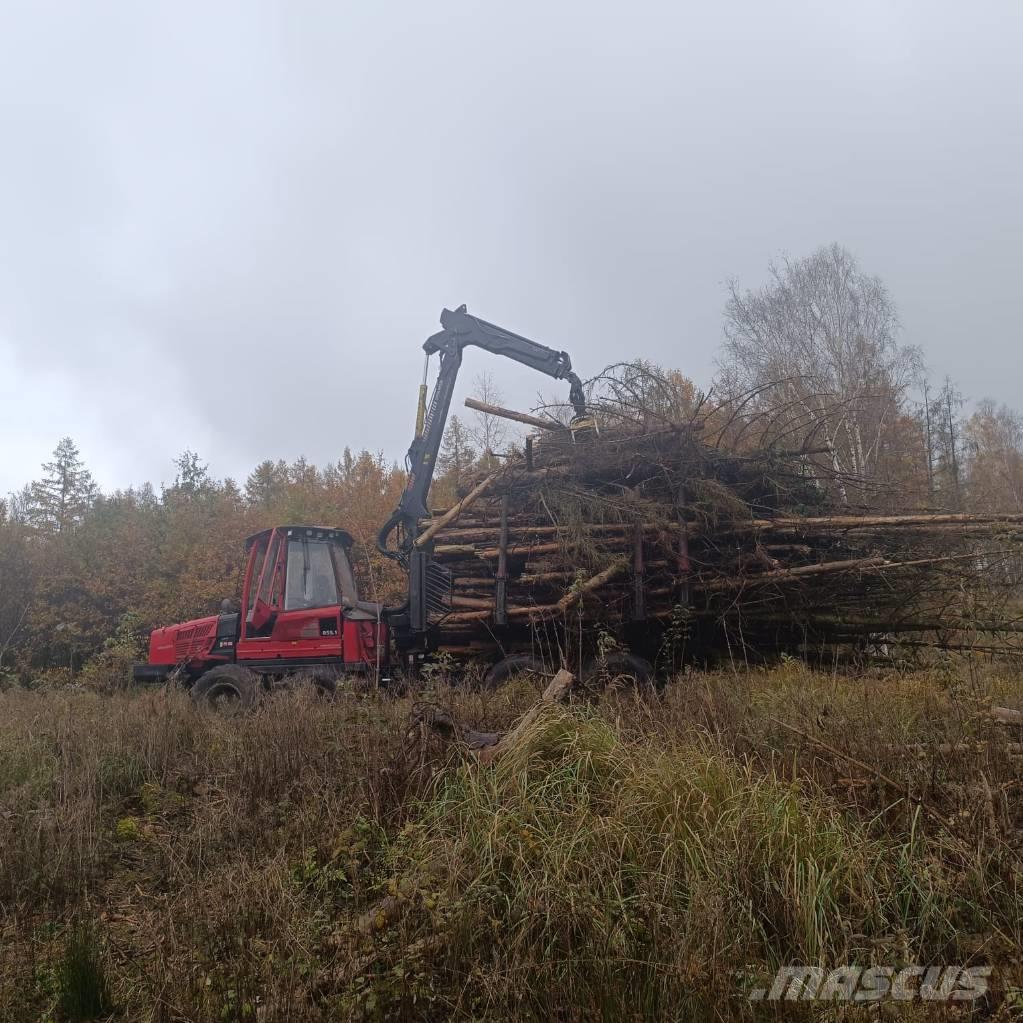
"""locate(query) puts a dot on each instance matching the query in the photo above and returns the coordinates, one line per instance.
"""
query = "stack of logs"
(744, 551)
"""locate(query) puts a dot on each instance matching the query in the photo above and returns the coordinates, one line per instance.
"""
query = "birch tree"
(488, 432)
(821, 340)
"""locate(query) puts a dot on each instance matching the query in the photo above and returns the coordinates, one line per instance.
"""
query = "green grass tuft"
(82, 991)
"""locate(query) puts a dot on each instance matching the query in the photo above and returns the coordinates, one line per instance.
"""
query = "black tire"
(228, 689)
(323, 680)
(512, 667)
(618, 670)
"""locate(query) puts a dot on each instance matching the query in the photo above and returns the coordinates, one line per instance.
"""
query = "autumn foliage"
(79, 569)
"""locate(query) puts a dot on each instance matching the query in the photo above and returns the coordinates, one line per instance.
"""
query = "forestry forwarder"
(301, 612)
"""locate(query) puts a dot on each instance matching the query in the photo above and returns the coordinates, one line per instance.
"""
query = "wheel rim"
(224, 698)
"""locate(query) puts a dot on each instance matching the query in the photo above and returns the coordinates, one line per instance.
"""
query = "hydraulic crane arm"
(460, 331)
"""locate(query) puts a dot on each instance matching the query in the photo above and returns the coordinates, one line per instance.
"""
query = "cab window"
(258, 558)
(269, 581)
(311, 579)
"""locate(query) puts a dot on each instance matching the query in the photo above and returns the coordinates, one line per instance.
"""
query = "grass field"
(643, 857)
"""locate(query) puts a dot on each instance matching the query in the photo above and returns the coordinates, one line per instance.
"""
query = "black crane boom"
(461, 331)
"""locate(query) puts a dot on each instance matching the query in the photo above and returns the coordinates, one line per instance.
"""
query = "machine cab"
(300, 603)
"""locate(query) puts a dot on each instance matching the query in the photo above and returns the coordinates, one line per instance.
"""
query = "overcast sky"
(230, 227)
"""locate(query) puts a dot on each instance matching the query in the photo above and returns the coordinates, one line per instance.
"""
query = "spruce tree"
(59, 501)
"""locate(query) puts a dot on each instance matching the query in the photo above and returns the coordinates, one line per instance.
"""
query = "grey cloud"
(230, 227)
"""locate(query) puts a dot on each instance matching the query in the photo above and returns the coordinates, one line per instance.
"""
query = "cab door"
(300, 591)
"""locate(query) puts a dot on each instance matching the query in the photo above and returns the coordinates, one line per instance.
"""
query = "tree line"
(820, 343)
(815, 350)
(80, 569)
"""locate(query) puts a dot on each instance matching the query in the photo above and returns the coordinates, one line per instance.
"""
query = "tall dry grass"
(639, 858)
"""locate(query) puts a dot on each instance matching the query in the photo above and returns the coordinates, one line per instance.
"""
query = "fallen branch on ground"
(489, 746)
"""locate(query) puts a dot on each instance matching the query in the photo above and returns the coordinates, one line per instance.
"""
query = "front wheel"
(227, 689)
(618, 670)
(514, 666)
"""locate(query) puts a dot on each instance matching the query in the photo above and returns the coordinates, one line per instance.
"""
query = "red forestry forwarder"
(301, 612)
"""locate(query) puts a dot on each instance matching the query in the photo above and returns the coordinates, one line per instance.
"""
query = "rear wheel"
(228, 689)
(618, 670)
(514, 666)
(322, 680)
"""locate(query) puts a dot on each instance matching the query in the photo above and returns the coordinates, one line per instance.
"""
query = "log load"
(748, 549)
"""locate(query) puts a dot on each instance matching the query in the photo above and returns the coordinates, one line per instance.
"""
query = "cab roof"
(340, 536)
